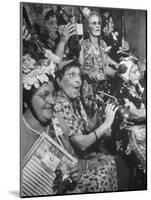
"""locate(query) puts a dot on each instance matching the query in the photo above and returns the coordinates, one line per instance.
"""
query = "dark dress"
(112, 40)
(130, 141)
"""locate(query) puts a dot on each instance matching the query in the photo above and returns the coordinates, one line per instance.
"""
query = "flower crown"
(34, 74)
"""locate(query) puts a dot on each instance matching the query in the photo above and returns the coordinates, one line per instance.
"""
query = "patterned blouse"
(100, 173)
(94, 62)
(76, 120)
(132, 139)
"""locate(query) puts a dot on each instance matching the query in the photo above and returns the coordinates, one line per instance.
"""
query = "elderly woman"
(131, 142)
(94, 59)
(93, 56)
(100, 172)
(39, 117)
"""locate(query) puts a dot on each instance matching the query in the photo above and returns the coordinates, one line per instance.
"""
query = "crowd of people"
(89, 82)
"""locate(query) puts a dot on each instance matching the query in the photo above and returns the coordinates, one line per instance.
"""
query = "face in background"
(94, 26)
(43, 101)
(52, 27)
(134, 75)
(70, 83)
(110, 25)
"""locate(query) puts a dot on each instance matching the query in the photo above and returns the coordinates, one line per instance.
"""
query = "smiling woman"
(40, 120)
(38, 107)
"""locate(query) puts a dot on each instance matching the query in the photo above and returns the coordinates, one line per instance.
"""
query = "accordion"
(39, 167)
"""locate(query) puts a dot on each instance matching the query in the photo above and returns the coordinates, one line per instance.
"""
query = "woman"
(116, 47)
(93, 54)
(39, 117)
(100, 173)
(93, 57)
(131, 142)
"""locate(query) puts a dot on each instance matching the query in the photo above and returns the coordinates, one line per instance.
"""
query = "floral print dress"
(96, 62)
(131, 141)
(100, 173)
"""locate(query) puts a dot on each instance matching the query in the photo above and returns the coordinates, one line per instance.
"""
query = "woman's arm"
(112, 62)
(68, 31)
(85, 141)
(81, 55)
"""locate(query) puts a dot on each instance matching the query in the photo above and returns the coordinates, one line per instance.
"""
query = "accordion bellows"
(39, 166)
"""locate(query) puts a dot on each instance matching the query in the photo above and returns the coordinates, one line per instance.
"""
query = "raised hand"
(110, 111)
(67, 32)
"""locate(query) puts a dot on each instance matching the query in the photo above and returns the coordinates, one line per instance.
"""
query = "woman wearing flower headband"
(100, 173)
(131, 142)
(39, 115)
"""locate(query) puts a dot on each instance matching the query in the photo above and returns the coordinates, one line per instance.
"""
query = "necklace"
(33, 130)
(96, 50)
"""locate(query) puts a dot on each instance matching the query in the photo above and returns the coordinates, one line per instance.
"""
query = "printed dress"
(100, 173)
(96, 62)
(130, 141)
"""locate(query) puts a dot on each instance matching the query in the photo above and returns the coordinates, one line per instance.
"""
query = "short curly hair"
(93, 13)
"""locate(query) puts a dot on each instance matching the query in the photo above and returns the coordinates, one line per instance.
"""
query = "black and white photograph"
(83, 93)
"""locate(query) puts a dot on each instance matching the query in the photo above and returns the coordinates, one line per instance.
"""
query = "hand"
(75, 171)
(110, 111)
(133, 109)
(51, 56)
(67, 32)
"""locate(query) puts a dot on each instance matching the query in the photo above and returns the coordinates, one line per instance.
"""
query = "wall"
(135, 27)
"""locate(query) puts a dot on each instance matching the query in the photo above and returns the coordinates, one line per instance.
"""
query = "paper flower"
(34, 74)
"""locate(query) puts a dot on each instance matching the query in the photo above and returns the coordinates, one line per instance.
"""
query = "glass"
(73, 75)
(46, 95)
(95, 23)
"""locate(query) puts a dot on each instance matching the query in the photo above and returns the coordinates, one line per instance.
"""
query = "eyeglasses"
(135, 72)
(46, 95)
(95, 23)
(73, 75)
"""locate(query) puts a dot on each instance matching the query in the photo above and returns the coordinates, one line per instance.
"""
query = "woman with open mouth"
(39, 118)
(98, 170)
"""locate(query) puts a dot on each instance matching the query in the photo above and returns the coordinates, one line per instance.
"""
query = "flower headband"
(34, 74)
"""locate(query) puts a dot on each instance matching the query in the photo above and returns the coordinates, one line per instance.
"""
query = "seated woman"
(131, 142)
(100, 173)
(39, 117)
